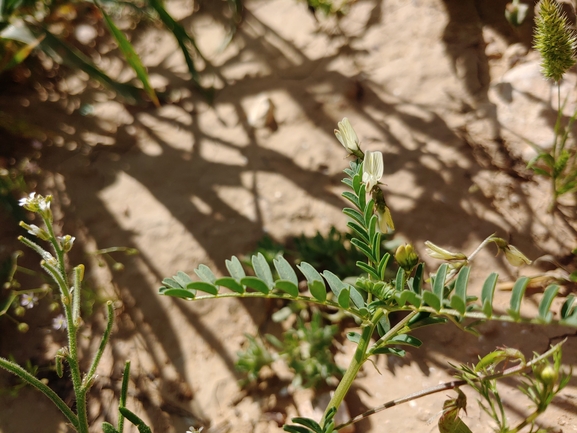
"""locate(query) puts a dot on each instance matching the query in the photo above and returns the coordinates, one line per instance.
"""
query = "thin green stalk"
(40, 386)
(123, 394)
(393, 331)
(359, 358)
(103, 342)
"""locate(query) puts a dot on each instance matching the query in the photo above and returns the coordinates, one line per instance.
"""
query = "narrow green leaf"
(389, 351)
(461, 283)
(372, 228)
(357, 298)
(417, 285)
(487, 294)
(399, 279)
(406, 339)
(517, 296)
(139, 423)
(383, 266)
(177, 293)
(203, 287)
(368, 269)
(348, 182)
(182, 279)
(351, 197)
(362, 197)
(335, 283)
(256, 284)
(545, 305)
(360, 231)
(567, 307)
(364, 248)
(344, 299)
(354, 214)
(169, 282)
(262, 270)
(205, 274)
(230, 283)
(439, 282)
(235, 268)
(308, 423)
(295, 429)
(285, 270)
(432, 300)
(131, 57)
(287, 287)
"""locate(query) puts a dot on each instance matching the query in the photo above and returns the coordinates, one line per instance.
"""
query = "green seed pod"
(23, 327)
(19, 311)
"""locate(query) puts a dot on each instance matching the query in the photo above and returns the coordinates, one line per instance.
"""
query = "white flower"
(437, 252)
(347, 136)
(38, 203)
(515, 257)
(34, 230)
(59, 322)
(28, 300)
(27, 201)
(372, 169)
(66, 242)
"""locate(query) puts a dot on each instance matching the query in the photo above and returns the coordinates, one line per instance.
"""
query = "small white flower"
(373, 168)
(34, 230)
(191, 429)
(347, 136)
(66, 242)
(27, 201)
(59, 322)
(28, 300)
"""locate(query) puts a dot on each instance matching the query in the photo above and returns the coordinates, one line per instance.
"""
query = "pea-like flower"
(348, 137)
(373, 168)
(437, 252)
(514, 256)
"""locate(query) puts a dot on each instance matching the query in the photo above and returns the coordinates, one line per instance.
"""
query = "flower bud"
(23, 327)
(406, 257)
(66, 242)
(19, 311)
(35, 231)
(547, 374)
(512, 254)
(348, 138)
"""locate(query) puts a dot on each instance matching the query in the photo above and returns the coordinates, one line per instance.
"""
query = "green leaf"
(368, 269)
(348, 182)
(177, 293)
(567, 307)
(399, 279)
(309, 423)
(205, 274)
(169, 282)
(230, 283)
(408, 296)
(351, 197)
(355, 337)
(406, 339)
(372, 225)
(432, 300)
(517, 296)
(383, 266)
(461, 284)
(285, 271)
(439, 282)
(262, 270)
(256, 284)
(359, 231)
(364, 248)
(458, 304)
(417, 285)
(335, 283)
(295, 429)
(182, 279)
(354, 214)
(314, 280)
(357, 298)
(204, 287)
(487, 294)
(108, 428)
(287, 287)
(344, 299)
(235, 268)
(362, 197)
(545, 305)
(131, 57)
(389, 351)
(130, 416)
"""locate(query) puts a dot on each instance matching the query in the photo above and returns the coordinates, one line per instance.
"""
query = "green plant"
(374, 297)
(556, 43)
(70, 289)
(305, 348)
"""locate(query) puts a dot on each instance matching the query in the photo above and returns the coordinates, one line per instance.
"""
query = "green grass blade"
(131, 57)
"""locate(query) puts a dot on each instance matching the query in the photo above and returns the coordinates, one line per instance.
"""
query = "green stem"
(43, 388)
(123, 393)
(103, 342)
(357, 362)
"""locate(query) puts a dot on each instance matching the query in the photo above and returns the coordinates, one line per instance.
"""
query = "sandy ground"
(447, 90)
